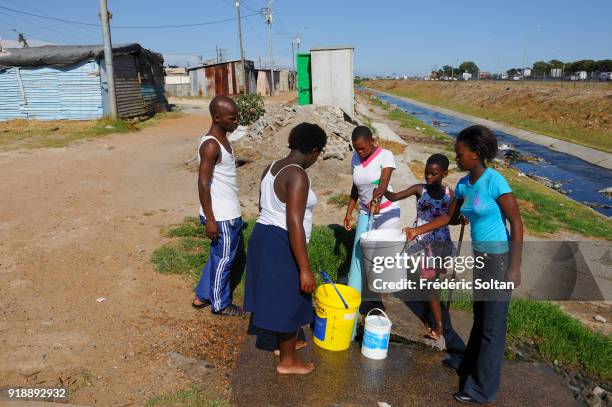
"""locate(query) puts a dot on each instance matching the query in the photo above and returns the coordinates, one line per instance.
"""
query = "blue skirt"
(272, 292)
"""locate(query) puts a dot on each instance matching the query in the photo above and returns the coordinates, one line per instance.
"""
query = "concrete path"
(410, 376)
(591, 155)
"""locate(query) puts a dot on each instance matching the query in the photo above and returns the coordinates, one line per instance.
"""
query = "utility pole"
(244, 71)
(292, 54)
(108, 59)
(267, 12)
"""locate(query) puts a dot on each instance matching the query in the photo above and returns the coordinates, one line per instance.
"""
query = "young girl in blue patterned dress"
(433, 199)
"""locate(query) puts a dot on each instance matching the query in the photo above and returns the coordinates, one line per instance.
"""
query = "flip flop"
(203, 304)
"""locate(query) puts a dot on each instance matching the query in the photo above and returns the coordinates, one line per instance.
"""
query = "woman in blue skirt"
(279, 279)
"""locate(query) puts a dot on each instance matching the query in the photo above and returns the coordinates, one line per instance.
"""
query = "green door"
(303, 79)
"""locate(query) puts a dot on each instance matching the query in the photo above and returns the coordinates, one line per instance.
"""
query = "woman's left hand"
(307, 281)
(513, 275)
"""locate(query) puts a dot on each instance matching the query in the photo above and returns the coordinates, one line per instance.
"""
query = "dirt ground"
(80, 304)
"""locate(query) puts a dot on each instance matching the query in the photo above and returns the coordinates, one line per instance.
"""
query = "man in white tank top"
(219, 209)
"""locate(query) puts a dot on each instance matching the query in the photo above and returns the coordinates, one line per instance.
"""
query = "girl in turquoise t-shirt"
(486, 199)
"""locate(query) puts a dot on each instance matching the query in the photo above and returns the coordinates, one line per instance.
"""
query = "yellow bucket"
(333, 327)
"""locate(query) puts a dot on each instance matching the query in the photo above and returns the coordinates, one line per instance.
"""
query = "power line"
(36, 27)
(75, 30)
(125, 26)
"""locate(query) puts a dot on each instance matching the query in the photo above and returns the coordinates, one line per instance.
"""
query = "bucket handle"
(378, 309)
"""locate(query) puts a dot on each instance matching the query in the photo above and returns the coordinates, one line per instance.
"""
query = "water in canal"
(580, 180)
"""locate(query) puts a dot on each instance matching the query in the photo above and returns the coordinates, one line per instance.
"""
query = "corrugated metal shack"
(70, 82)
(224, 78)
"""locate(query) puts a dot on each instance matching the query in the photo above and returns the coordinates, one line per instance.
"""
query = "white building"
(332, 78)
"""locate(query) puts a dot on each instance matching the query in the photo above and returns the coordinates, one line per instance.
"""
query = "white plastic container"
(383, 243)
(376, 335)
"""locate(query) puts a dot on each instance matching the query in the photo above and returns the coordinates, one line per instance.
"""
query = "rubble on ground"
(331, 119)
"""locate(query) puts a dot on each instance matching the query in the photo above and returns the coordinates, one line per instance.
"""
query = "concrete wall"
(332, 78)
(178, 90)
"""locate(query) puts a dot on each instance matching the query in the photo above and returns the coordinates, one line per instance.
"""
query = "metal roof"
(65, 55)
(330, 48)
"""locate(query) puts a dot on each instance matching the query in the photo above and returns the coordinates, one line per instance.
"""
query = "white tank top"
(223, 186)
(274, 211)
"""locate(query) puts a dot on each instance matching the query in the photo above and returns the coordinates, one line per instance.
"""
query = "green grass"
(194, 396)
(340, 200)
(409, 121)
(557, 337)
(368, 122)
(545, 211)
(329, 249)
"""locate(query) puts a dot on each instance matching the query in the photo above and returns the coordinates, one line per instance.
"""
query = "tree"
(604, 65)
(512, 72)
(469, 66)
(540, 68)
(555, 64)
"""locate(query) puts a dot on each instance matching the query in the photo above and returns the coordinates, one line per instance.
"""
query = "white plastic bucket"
(378, 245)
(376, 335)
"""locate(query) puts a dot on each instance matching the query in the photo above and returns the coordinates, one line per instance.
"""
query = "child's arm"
(415, 190)
(457, 218)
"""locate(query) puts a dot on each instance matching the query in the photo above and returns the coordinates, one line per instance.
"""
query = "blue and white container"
(376, 335)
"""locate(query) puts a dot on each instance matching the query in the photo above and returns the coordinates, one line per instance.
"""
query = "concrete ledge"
(384, 132)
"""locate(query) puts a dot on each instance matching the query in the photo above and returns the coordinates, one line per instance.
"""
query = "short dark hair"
(307, 137)
(480, 140)
(361, 131)
(439, 159)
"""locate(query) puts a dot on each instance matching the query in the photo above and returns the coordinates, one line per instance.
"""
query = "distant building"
(70, 82)
(466, 76)
(178, 82)
(484, 75)
(527, 72)
(504, 75)
(556, 72)
(582, 75)
(224, 78)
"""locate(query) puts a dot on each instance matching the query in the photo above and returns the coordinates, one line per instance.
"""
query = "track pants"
(214, 284)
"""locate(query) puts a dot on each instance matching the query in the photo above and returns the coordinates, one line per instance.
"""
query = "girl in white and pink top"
(371, 167)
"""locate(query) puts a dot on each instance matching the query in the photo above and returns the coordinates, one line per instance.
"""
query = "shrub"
(340, 200)
(250, 108)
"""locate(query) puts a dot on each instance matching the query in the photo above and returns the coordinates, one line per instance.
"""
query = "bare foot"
(298, 345)
(299, 367)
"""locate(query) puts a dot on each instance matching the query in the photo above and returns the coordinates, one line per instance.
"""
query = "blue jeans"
(214, 284)
(480, 370)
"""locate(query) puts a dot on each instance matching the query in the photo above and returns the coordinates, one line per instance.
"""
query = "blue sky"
(402, 37)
